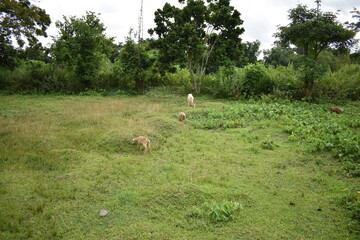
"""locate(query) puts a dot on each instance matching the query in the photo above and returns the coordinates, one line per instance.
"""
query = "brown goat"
(144, 142)
(336, 109)
(182, 116)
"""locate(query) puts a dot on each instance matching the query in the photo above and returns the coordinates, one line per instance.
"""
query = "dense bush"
(35, 77)
(106, 77)
(181, 80)
(286, 82)
(333, 60)
(226, 83)
(309, 71)
(342, 84)
(252, 80)
(256, 80)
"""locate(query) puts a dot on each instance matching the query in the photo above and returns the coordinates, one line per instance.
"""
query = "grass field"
(64, 158)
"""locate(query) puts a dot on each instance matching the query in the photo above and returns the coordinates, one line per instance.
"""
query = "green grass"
(64, 158)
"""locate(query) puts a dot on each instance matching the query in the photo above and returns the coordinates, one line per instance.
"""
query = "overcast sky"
(261, 17)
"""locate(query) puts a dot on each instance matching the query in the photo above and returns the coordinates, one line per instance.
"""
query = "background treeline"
(82, 59)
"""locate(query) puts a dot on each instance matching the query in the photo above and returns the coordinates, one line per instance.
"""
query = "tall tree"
(252, 51)
(81, 45)
(312, 31)
(278, 55)
(192, 35)
(20, 20)
(133, 63)
(354, 25)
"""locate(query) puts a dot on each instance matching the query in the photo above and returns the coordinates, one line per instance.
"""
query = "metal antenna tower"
(141, 24)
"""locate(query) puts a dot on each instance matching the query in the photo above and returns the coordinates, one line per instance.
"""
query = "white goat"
(190, 100)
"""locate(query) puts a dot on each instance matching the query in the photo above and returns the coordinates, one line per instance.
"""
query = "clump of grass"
(268, 144)
(216, 212)
(222, 211)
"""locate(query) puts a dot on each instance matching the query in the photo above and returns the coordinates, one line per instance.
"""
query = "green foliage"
(352, 203)
(216, 212)
(279, 56)
(286, 82)
(133, 63)
(251, 52)
(228, 83)
(312, 124)
(256, 80)
(181, 79)
(35, 77)
(313, 31)
(106, 78)
(342, 84)
(333, 59)
(309, 71)
(20, 19)
(222, 211)
(197, 35)
(80, 47)
(252, 80)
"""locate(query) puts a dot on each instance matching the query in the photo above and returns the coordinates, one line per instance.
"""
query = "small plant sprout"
(222, 211)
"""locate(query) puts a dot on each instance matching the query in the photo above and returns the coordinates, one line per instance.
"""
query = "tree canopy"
(197, 34)
(21, 20)
(80, 46)
(252, 51)
(133, 62)
(312, 31)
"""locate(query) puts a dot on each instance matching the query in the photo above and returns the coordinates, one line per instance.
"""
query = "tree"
(196, 35)
(313, 31)
(279, 56)
(252, 51)
(354, 25)
(35, 52)
(81, 46)
(133, 62)
(19, 20)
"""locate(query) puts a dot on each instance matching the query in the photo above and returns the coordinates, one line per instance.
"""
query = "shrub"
(342, 84)
(106, 77)
(334, 61)
(257, 80)
(180, 79)
(228, 83)
(310, 71)
(286, 82)
(36, 77)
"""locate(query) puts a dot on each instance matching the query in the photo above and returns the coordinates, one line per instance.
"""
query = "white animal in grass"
(190, 100)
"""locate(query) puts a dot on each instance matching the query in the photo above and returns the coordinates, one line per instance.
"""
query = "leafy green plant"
(352, 203)
(222, 211)
(309, 123)
(257, 80)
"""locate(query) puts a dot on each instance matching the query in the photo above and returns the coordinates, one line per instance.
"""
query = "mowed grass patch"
(65, 158)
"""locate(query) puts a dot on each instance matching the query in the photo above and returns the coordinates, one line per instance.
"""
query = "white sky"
(261, 17)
